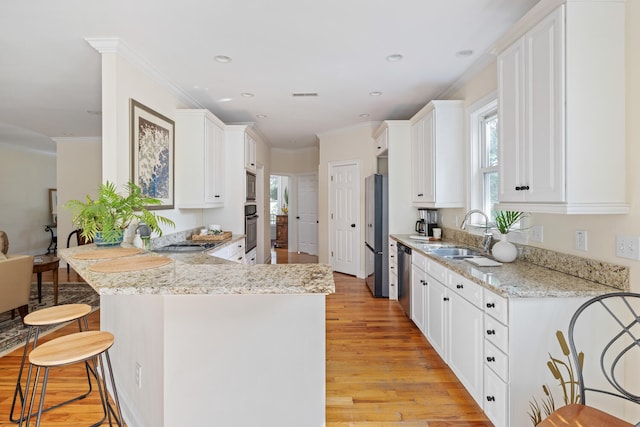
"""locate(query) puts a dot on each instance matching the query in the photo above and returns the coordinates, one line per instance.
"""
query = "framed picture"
(152, 158)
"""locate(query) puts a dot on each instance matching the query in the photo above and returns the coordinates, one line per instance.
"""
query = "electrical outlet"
(581, 240)
(535, 233)
(628, 247)
(138, 375)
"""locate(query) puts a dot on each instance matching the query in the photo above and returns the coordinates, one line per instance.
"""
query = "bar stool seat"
(46, 317)
(78, 347)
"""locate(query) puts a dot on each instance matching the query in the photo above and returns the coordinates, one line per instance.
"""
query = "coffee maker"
(428, 220)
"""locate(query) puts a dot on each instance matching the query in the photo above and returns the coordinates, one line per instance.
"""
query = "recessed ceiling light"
(247, 95)
(225, 99)
(261, 116)
(463, 53)
(364, 116)
(376, 93)
(394, 57)
(222, 58)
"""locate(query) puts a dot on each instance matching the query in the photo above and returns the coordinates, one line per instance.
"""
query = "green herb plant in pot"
(104, 219)
(505, 251)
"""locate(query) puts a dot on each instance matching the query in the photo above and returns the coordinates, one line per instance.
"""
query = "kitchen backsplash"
(616, 276)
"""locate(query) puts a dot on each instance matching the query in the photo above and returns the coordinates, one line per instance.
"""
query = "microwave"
(251, 187)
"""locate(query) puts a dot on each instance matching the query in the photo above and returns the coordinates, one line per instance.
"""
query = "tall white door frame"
(306, 215)
(344, 216)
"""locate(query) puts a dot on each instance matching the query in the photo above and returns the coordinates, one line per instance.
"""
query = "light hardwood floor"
(381, 371)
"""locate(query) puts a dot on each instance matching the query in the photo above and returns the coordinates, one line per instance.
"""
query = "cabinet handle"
(491, 359)
(420, 195)
(445, 299)
(459, 286)
(522, 188)
(378, 147)
(491, 305)
(491, 332)
(217, 196)
(491, 399)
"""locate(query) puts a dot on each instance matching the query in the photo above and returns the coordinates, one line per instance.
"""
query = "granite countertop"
(200, 273)
(518, 279)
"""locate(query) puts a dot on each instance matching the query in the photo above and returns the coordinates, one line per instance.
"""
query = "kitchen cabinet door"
(418, 297)
(466, 344)
(381, 142)
(437, 316)
(249, 153)
(200, 163)
(437, 155)
(531, 101)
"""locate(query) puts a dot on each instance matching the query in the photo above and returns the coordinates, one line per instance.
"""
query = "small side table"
(43, 263)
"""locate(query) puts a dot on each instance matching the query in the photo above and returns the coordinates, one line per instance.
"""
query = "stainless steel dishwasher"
(404, 278)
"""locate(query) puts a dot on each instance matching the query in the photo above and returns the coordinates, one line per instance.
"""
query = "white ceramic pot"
(504, 251)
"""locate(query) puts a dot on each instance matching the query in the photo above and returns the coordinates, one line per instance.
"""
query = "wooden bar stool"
(46, 317)
(88, 347)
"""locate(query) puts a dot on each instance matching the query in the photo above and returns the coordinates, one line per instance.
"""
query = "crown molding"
(115, 45)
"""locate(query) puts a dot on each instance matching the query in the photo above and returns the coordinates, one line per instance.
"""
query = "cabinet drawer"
(496, 399)
(464, 287)
(496, 333)
(496, 306)
(419, 260)
(437, 271)
(496, 360)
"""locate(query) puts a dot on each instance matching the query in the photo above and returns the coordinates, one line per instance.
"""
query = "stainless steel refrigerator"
(377, 234)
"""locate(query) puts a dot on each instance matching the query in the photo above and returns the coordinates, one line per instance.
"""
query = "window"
(483, 125)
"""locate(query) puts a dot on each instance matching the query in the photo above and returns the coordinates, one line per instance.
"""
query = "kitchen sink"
(455, 253)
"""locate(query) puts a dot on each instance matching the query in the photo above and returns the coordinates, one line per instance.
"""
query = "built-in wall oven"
(250, 227)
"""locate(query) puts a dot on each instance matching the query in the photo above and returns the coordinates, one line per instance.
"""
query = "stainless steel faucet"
(488, 236)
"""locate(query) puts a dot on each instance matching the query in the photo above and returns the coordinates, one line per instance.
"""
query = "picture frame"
(53, 205)
(152, 154)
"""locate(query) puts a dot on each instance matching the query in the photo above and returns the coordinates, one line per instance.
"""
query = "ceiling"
(50, 76)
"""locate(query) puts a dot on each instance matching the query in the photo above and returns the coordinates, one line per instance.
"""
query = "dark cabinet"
(282, 231)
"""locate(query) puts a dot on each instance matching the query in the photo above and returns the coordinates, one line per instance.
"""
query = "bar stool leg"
(35, 330)
(113, 386)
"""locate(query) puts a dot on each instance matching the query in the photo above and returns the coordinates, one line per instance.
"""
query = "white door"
(308, 214)
(344, 216)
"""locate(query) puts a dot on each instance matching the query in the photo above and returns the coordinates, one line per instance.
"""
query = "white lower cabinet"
(451, 319)
(232, 252)
(497, 347)
(251, 257)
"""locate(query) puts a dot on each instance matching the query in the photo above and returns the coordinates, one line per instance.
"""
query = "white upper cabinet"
(200, 160)
(436, 155)
(249, 153)
(561, 110)
(381, 141)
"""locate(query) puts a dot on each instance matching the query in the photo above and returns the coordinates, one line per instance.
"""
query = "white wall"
(354, 143)
(25, 177)
(79, 167)
(287, 162)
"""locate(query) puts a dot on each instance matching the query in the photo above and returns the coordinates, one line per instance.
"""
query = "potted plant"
(104, 219)
(504, 250)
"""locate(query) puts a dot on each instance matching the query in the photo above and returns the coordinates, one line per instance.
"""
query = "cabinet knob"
(491, 398)
(459, 286)
(354, 226)
(491, 305)
(491, 332)
(378, 147)
(445, 299)
(518, 188)
(525, 187)
(491, 359)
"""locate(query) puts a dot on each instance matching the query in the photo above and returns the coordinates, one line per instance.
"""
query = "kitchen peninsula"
(203, 341)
